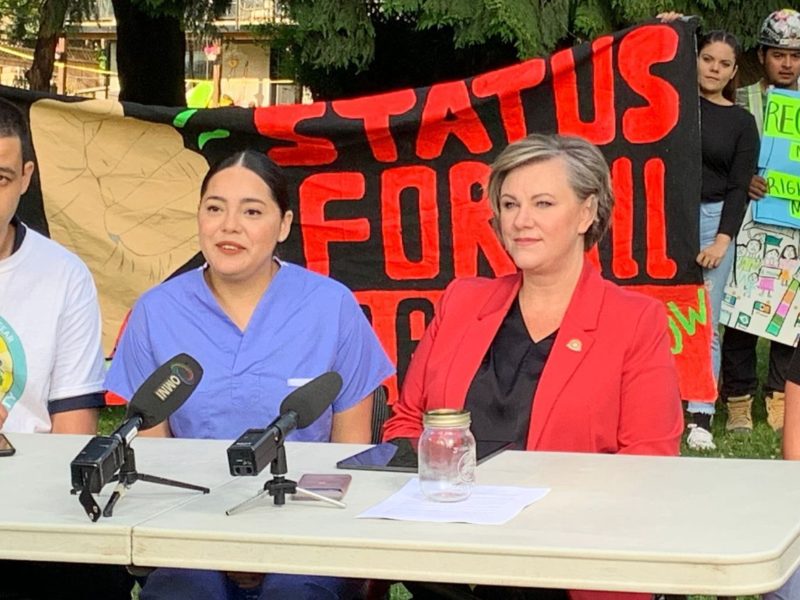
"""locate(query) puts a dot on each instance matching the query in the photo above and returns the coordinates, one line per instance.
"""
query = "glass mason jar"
(446, 455)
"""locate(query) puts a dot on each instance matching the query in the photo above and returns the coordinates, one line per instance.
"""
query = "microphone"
(256, 448)
(307, 403)
(161, 394)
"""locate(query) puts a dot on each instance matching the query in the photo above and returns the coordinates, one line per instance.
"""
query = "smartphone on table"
(6, 449)
(331, 486)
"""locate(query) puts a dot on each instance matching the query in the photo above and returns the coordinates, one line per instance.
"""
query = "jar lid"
(446, 417)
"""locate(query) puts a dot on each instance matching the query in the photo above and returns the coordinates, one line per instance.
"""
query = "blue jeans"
(714, 280)
(190, 584)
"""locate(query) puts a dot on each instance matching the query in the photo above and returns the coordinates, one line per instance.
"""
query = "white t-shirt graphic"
(50, 352)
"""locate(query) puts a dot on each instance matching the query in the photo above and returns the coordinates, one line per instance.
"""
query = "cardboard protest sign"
(779, 160)
(387, 190)
(761, 295)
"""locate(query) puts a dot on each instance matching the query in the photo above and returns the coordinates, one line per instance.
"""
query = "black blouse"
(500, 397)
(729, 141)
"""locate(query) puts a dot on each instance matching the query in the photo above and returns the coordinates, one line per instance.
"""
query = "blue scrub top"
(304, 325)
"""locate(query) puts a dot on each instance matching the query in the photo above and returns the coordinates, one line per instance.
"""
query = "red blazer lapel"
(573, 341)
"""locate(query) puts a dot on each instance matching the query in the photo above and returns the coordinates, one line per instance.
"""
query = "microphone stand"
(128, 475)
(279, 486)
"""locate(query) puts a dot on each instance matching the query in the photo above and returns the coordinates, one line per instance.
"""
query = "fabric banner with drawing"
(387, 190)
(762, 292)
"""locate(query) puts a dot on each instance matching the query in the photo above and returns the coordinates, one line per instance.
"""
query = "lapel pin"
(575, 345)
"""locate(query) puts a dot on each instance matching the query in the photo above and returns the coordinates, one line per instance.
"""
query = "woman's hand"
(711, 256)
(3, 415)
(669, 17)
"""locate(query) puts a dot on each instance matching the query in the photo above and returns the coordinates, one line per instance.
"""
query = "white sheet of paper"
(487, 505)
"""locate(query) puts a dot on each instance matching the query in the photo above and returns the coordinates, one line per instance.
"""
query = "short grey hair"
(587, 173)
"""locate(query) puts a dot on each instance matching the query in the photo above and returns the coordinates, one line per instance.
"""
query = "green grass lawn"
(110, 418)
(762, 443)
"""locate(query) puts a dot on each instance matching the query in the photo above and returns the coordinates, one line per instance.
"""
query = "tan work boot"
(740, 416)
(775, 404)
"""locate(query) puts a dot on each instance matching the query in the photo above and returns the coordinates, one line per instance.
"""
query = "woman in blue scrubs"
(260, 328)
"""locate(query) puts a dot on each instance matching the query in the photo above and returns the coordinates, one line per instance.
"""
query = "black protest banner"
(387, 190)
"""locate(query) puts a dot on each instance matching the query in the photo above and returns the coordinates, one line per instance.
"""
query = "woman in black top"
(730, 149)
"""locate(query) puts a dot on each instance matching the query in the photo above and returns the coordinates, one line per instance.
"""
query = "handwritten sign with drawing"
(762, 292)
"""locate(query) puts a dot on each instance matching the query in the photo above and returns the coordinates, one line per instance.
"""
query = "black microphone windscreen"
(165, 390)
(310, 400)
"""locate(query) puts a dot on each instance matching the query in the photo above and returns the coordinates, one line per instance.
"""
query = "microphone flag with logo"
(165, 390)
(162, 393)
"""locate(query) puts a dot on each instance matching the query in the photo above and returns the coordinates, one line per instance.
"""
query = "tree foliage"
(475, 22)
(348, 47)
(336, 45)
(41, 23)
(21, 20)
(151, 33)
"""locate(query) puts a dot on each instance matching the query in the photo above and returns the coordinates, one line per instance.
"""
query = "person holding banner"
(779, 55)
(729, 143)
(552, 357)
(260, 327)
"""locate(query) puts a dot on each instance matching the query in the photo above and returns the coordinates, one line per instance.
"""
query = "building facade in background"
(233, 68)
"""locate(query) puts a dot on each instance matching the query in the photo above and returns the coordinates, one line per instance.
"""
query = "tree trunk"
(150, 56)
(44, 55)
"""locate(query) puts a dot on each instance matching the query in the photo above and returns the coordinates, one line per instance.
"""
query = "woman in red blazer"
(553, 357)
(609, 384)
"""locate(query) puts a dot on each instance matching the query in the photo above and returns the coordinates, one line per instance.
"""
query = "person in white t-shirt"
(51, 361)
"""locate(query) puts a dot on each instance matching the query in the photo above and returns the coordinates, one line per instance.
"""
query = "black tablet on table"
(401, 455)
